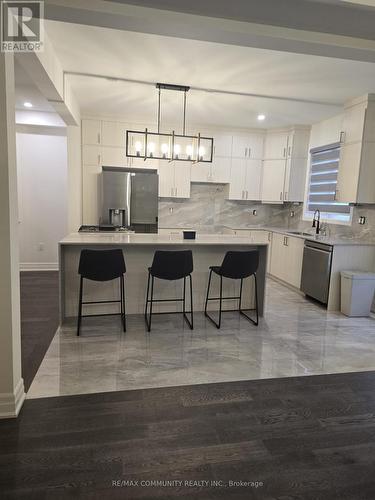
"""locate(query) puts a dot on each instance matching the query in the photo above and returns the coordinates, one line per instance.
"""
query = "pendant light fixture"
(169, 146)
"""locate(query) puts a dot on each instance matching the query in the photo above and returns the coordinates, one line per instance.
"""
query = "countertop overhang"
(121, 239)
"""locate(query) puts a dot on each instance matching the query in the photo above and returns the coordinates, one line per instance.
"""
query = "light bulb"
(151, 148)
(201, 152)
(189, 151)
(164, 149)
(27, 104)
(261, 117)
(138, 147)
(177, 149)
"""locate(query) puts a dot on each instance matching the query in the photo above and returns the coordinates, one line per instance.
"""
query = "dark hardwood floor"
(310, 438)
(39, 318)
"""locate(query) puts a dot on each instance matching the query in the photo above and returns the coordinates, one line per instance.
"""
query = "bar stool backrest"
(239, 265)
(101, 265)
(172, 265)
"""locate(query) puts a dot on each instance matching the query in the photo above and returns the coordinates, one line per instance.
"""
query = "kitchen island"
(208, 250)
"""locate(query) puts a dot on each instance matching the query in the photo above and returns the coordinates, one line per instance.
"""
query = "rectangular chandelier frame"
(197, 141)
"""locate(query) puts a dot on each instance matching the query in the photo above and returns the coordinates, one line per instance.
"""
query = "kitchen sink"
(299, 233)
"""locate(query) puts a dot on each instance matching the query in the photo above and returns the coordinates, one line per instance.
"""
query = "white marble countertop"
(342, 241)
(155, 239)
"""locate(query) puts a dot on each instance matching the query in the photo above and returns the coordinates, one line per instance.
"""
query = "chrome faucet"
(316, 221)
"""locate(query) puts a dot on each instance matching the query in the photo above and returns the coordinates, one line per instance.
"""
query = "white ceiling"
(26, 91)
(155, 58)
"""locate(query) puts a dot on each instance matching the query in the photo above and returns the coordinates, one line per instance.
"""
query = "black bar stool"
(102, 265)
(172, 266)
(237, 266)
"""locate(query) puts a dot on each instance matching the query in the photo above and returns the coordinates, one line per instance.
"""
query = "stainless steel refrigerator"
(129, 198)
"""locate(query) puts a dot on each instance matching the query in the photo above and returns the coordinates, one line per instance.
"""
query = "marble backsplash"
(208, 211)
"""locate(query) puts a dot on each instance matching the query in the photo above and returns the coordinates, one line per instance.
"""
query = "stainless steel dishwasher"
(316, 270)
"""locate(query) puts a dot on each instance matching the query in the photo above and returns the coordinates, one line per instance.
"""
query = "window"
(321, 192)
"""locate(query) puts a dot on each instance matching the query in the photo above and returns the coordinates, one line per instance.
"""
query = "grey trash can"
(357, 292)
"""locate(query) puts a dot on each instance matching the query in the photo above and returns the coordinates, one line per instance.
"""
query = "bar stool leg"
(80, 307)
(256, 321)
(220, 301)
(148, 320)
(123, 312)
(189, 322)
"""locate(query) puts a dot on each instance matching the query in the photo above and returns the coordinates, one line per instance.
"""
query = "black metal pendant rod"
(159, 111)
(184, 124)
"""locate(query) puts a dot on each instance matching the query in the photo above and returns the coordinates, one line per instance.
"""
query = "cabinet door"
(348, 175)
(220, 170)
(353, 124)
(295, 179)
(237, 179)
(275, 146)
(91, 132)
(253, 179)
(114, 157)
(91, 155)
(90, 195)
(240, 146)
(293, 264)
(277, 264)
(222, 143)
(200, 172)
(114, 134)
(273, 181)
(182, 180)
(255, 144)
(166, 179)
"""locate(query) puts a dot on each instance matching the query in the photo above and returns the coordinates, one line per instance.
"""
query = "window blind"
(323, 181)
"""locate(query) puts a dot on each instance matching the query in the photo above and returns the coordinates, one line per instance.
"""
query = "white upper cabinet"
(273, 181)
(174, 179)
(248, 145)
(114, 134)
(285, 165)
(237, 179)
(91, 132)
(356, 176)
(220, 169)
(276, 145)
(222, 143)
(245, 179)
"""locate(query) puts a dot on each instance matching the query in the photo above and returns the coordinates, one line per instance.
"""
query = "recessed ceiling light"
(261, 117)
(27, 104)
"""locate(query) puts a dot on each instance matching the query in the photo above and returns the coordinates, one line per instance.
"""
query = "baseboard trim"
(11, 403)
(39, 266)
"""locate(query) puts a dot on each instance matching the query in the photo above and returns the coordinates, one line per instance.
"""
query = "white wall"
(42, 186)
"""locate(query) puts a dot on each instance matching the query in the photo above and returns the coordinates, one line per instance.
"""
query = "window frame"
(327, 217)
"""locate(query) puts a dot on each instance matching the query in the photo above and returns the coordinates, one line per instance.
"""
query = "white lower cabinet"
(174, 179)
(286, 258)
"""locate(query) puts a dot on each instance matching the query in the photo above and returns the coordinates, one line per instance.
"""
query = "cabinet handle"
(176, 192)
(242, 194)
(284, 153)
(247, 195)
(286, 241)
(98, 137)
(249, 152)
(245, 151)
(286, 195)
(342, 137)
(99, 159)
(289, 150)
(281, 196)
(269, 236)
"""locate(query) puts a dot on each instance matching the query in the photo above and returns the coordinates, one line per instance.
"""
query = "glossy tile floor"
(296, 337)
